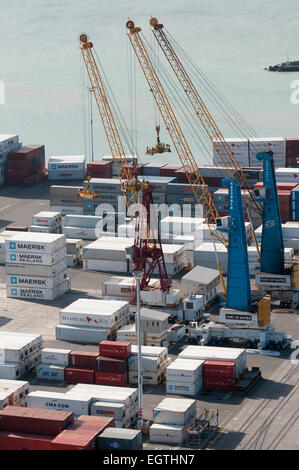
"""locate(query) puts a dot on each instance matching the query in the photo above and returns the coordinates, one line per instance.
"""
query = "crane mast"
(146, 253)
(187, 159)
(228, 159)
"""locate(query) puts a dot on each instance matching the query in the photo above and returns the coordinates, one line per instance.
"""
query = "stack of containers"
(154, 364)
(67, 167)
(74, 251)
(110, 193)
(184, 377)
(295, 203)
(239, 148)
(82, 434)
(112, 363)
(13, 393)
(287, 175)
(219, 375)
(292, 151)
(107, 254)
(8, 144)
(65, 199)
(181, 195)
(36, 266)
(264, 144)
(252, 174)
(169, 170)
(81, 368)
(26, 166)
(235, 356)
(53, 364)
(100, 169)
(86, 227)
(19, 353)
(91, 320)
(171, 418)
(46, 222)
(213, 175)
(5, 235)
(120, 439)
(110, 158)
(31, 429)
(105, 400)
(153, 169)
(284, 198)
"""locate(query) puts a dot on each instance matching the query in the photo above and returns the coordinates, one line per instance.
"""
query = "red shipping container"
(108, 378)
(115, 349)
(17, 229)
(169, 170)
(21, 441)
(216, 383)
(109, 364)
(280, 186)
(82, 434)
(84, 376)
(34, 420)
(83, 359)
(181, 176)
(219, 369)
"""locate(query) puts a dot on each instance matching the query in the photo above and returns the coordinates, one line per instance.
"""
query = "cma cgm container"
(115, 349)
(82, 434)
(34, 421)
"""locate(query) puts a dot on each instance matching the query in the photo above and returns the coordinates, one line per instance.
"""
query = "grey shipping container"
(120, 439)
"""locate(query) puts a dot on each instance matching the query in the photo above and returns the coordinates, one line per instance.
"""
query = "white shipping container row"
(106, 393)
(47, 218)
(55, 356)
(83, 334)
(10, 370)
(94, 312)
(50, 371)
(167, 434)
(45, 229)
(105, 266)
(35, 270)
(36, 258)
(185, 370)
(15, 391)
(65, 209)
(214, 353)
(180, 225)
(149, 364)
(58, 401)
(118, 411)
(32, 340)
(71, 162)
(287, 175)
(80, 232)
(26, 242)
(180, 411)
(41, 294)
(35, 281)
(82, 221)
(66, 174)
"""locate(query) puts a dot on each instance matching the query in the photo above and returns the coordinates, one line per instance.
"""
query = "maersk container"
(55, 356)
(214, 353)
(30, 293)
(58, 401)
(180, 411)
(118, 411)
(167, 434)
(36, 281)
(35, 258)
(35, 270)
(35, 243)
(9, 370)
(119, 439)
(183, 388)
(50, 372)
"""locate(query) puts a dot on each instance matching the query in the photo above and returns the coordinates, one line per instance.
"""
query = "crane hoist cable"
(195, 178)
(231, 164)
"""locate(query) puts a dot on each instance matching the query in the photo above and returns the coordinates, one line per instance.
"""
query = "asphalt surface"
(265, 418)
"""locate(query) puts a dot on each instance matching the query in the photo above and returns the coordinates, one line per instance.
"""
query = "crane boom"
(187, 159)
(228, 159)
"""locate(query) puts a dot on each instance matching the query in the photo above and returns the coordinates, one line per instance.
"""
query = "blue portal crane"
(272, 247)
(238, 278)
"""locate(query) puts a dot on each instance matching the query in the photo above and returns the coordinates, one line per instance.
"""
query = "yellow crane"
(159, 147)
(227, 157)
(195, 178)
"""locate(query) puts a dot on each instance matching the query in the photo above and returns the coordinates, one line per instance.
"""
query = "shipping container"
(167, 434)
(55, 356)
(21, 441)
(79, 405)
(83, 359)
(50, 372)
(109, 378)
(72, 375)
(120, 439)
(115, 349)
(108, 364)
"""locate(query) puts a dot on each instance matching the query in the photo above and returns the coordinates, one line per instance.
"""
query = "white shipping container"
(35, 270)
(215, 353)
(150, 351)
(149, 364)
(105, 266)
(82, 335)
(26, 242)
(71, 261)
(167, 434)
(34, 293)
(106, 393)
(82, 221)
(46, 218)
(74, 245)
(185, 370)
(17, 389)
(80, 232)
(33, 281)
(3, 400)
(149, 378)
(58, 401)
(106, 409)
(180, 411)
(67, 209)
(35, 258)
(183, 388)
(43, 229)
(50, 372)
(9, 370)
(55, 356)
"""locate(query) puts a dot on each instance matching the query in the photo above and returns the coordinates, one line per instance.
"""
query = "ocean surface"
(232, 41)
